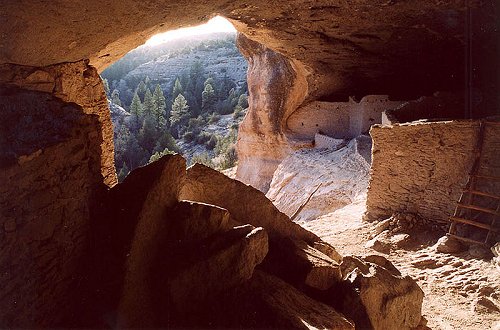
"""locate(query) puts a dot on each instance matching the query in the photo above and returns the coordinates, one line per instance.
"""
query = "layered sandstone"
(313, 182)
(57, 157)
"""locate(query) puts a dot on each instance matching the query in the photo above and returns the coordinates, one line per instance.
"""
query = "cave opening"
(176, 247)
(184, 91)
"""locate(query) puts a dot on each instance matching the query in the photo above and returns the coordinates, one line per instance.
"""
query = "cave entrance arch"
(183, 91)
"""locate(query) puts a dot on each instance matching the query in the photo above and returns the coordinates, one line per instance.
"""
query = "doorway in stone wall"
(183, 91)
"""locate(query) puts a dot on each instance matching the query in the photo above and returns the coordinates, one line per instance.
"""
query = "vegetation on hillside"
(162, 115)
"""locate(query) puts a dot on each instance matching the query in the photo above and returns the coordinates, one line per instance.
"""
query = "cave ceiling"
(349, 47)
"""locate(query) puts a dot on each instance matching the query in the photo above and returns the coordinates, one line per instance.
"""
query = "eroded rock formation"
(73, 254)
(314, 182)
(159, 260)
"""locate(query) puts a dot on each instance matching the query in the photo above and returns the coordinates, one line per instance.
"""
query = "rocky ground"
(461, 291)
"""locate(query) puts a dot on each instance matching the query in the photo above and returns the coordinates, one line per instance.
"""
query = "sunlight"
(216, 24)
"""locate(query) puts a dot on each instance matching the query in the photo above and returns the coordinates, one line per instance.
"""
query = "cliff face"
(276, 86)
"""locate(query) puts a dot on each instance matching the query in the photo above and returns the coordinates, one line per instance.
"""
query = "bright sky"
(216, 24)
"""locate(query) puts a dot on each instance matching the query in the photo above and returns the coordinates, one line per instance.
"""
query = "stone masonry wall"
(48, 174)
(56, 154)
(421, 168)
(341, 120)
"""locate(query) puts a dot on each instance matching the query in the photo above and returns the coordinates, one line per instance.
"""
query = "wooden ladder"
(466, 201)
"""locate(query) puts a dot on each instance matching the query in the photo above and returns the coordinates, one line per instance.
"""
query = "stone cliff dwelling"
(367, 193)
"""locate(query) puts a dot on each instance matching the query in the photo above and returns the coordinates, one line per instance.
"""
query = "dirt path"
(461, 292)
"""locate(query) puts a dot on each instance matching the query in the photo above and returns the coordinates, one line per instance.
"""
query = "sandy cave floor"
(461, 292)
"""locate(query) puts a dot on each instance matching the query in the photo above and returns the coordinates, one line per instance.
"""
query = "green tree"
(148, 104)
(148, 134)
(180, 112)
(141, 89)
(208, 99)
(177, 89)
(159, 108)
(136, 106)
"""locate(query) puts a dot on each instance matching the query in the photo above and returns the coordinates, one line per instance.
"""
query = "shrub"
(188, 136)
(212, 142)
(203, 158)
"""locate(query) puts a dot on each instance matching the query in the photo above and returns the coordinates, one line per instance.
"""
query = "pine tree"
(148, 134)
(180, 112)
(141, 89)
(136, 106)
(148, 104)
(208, 98)
(177, 89)
(159, 108)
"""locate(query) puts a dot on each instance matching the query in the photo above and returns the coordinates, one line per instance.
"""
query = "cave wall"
(49, 171)
(56, 157)
(421, 168)
(76, 82)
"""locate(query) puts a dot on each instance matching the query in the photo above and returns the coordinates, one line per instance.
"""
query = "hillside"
(186, 96)
(216, 53)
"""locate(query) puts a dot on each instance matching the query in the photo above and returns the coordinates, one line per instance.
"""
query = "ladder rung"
(467, 240)
(473, 223)
(477, 208)
(486, 177)
(480, 193)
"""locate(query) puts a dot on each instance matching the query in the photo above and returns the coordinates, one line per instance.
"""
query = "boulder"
(270, 302)
(376, 296)
(448, 244)
(228, 261)
(246, 204)
(192, 256)
(301, 265)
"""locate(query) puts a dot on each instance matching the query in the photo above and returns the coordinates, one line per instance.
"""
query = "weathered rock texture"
(49, 173)
(378, 296)
(421, 168)
(77, 83)
(349, 47)
(56, 156)
(190, 264)
(313, 52)
(206, 185)
(276, 86)
(313, 182)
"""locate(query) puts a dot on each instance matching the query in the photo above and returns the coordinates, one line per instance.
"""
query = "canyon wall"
(56, 152)
(421, 168)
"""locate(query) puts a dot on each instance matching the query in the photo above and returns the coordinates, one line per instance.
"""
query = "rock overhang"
(349, 48)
